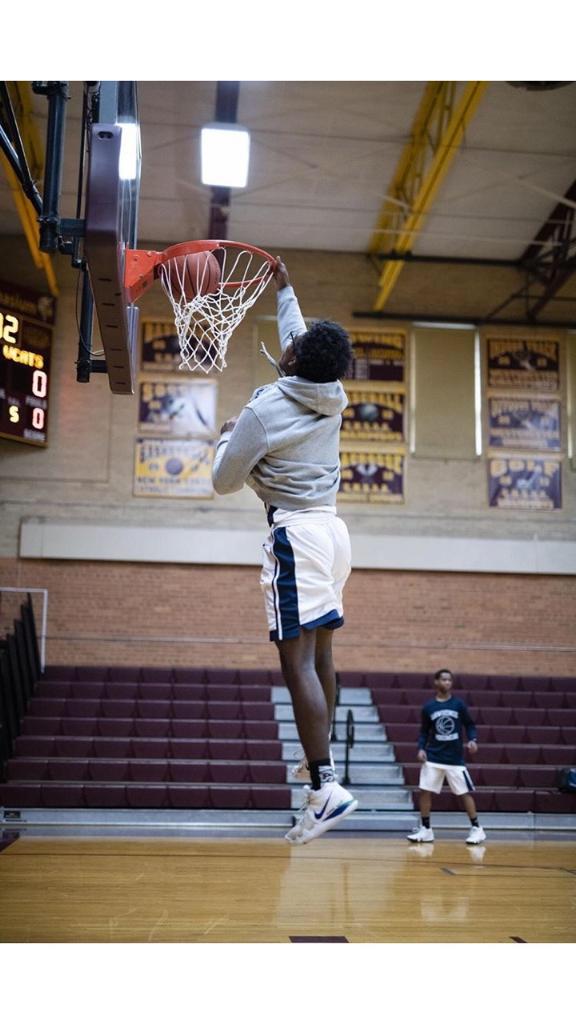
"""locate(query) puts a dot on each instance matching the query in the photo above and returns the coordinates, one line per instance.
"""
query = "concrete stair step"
(370, 799)
(369, 775)
(348, 695)
(367, 731)
(362, 713)
(360, 752)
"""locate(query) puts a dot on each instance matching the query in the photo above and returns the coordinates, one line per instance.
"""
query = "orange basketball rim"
(208, 301)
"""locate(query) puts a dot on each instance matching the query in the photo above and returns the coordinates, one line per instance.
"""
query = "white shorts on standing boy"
(432, 778)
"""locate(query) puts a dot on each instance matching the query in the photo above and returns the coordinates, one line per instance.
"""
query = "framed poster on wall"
(529, 423)
(523, 364)
(378, 355)
(173, 468)
(528, 483)
(372, 476)
(373, 415)
(160, 348)
(172, 408)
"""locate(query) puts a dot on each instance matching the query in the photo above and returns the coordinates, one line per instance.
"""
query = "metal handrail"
(333, 735)
(349, 745)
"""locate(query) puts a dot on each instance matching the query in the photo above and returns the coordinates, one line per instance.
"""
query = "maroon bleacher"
(100, 736)
(526, 735)
(105, 737)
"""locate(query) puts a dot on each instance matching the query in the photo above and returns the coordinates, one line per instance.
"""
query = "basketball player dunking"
(285, 445)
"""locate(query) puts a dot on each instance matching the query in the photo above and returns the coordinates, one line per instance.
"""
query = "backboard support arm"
(96, 241)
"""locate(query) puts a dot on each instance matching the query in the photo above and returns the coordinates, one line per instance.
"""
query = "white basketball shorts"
(457, 776)
(306, 563)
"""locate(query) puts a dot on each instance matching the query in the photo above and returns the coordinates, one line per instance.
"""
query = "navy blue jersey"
(443, 722)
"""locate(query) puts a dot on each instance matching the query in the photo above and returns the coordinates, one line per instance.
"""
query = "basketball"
(368, 412)
(174, 466)
(194, 274)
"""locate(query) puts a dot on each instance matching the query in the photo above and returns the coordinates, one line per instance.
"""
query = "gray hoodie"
(285, 444)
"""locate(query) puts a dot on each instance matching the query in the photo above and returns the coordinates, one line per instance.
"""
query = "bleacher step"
(252, 822)
(362, 731)
(60, 821)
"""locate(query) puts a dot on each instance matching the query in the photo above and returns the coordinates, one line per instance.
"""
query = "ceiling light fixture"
(225, 152)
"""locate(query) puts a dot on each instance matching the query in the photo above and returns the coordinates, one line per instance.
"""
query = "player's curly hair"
(323, 353)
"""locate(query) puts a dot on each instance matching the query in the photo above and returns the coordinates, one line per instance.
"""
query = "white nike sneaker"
(301, 772)
(421, 835)
(476, 835)
(322, 809)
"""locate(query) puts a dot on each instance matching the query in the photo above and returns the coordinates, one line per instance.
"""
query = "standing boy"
(441, 753)
(285, 445)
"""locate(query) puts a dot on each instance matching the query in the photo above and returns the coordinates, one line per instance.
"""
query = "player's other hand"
(472, 747)
(280, 274)
(229, 425)
(422, 756)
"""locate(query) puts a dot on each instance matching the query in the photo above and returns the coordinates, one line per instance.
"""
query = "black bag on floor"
(567, 780)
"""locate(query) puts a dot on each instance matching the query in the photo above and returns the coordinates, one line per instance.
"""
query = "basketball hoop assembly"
(210, 285)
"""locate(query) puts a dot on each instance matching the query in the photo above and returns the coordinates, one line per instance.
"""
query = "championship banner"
(160, 348)
(373, 416)
(173, 469)
(378, 355)
(523, 364)
(524, 423)
(369, 476)
(175, 408)
(527, 484)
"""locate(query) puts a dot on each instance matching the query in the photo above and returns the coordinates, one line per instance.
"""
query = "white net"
(205, 323)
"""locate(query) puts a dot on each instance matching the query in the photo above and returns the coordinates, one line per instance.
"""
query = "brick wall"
(110, 613)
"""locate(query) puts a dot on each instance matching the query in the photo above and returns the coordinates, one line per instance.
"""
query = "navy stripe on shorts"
(285, 585)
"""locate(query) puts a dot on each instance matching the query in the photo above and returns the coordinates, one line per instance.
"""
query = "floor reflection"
(210, 890)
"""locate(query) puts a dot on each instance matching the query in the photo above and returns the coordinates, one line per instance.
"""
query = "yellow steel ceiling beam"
(436, 135)
(21, 95)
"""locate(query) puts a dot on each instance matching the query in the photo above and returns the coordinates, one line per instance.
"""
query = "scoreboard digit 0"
(26, 320)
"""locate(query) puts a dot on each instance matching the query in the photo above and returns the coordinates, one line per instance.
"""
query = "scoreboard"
(26, 324)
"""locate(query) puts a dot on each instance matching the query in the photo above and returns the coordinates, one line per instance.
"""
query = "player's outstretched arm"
(290, 320)
(242, 444)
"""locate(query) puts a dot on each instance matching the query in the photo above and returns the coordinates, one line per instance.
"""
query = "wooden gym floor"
(210, 890)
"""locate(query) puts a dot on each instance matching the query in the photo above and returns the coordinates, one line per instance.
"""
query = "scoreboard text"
(26, 320)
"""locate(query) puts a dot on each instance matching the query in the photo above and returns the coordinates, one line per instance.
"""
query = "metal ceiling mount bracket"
(437, 133)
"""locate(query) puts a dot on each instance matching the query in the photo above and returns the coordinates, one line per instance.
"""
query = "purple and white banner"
(172, 408)
(372, 476)
(378, 355)
(160, 347)
(524, 423)
(373, 415)
(523, 364)
(528, 484)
